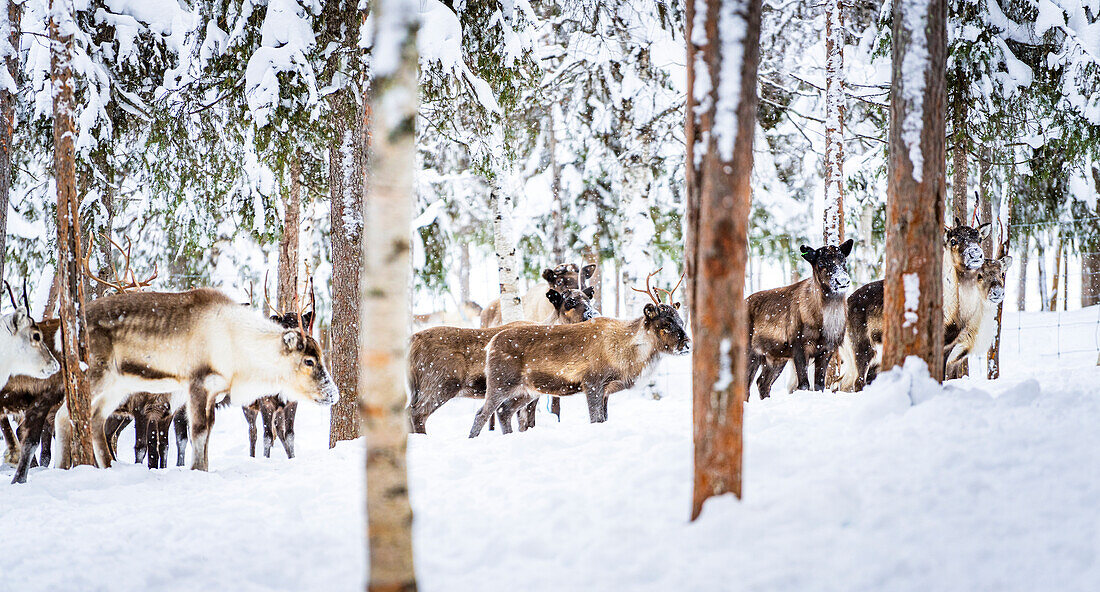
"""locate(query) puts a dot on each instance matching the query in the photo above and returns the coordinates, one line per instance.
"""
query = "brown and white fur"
(597, 358)
(277, 415)
(861, 351)
(974, 331)
(536, 308)
(35, 398)
(22, 350)
(803, 322)
(449, 362)
(467, 315)
(199, 342)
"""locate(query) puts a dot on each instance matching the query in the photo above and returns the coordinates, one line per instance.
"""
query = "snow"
(731, 33)
(911, 285)
(975, 485)
(914, 72)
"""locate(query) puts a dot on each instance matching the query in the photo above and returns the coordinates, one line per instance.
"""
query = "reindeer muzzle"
(329, 393)
(996, 295)
(589, 315)
(973, 257)
(683, 348)
(52, 368)
(841, 283)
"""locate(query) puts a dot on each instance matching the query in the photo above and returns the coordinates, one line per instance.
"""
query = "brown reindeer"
(861, 352)
(598, 357)
(566, 276)
(803, 322)
(151, 414)
(199, 342)
(973, 330)
(449, 362)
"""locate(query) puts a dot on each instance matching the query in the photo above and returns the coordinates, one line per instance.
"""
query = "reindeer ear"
(277, 319)
(808, 253)
(307, 319)
(292, 340)
(588, 271)
(985, 229)
(958, 222)
(676, 305)
(590, 292)
(554, 297)
(20, 320)
(1005, 262)
(650, 311)
(846, 247)
(548, 275)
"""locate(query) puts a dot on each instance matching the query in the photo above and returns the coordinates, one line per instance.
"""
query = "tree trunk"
(993, 356)
(385, 300)
(619, 290)
(913, 313)
(721, 124)
(287, 294)
(505, 245)
(986, 199)
(1065, 279)
(464, 273)
(74, 336)
(638, 232)
(555, 189)
(1041, 259)
(1090, 282)
(346, 190)
(592, 257)
(834, 124)
(9, 28)
(1053, 305)
(959, 153)
(1021, 293)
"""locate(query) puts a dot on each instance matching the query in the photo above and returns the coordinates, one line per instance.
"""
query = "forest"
(817, 278)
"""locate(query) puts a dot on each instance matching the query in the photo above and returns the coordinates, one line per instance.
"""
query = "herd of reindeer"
(158, 359)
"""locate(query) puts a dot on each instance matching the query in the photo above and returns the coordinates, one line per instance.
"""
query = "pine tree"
(9, 52)
(720, 131)
(913, 307)
(74, 336)
(384, 310)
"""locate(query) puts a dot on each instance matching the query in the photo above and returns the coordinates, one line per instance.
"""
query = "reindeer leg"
(179, 424)
(821, 367)
(142, 435)
(750, 371)
(267, 414)
(163, 424)
(495, 395)
(799, 357)
(508, 409)
(250, 417)
(528, 421)
(31, 434)
(46, 442)
(768, 377)
(597, 402)
(287, 434)
(201, 418)
(12, 455)
(100, 447)
(63, 429)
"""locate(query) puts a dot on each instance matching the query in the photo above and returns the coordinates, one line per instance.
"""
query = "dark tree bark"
(961, 143)
(347, 149)
(993, 356)
(7, 123)
(385, 301)
(1054, 286)
(74, 336)
(913, 313)
(1021, 293)
(719, 163)
(1090, 282)
(288, 245)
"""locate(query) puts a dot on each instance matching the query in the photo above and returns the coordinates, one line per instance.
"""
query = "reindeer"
(449, 362)
(199, 342)
(861, 352)
(598, 358)
(152, 415)
(566, 276)
(22, 348)
(467, 315)
(974, 333)
(803, 322)
(36, 398)
(277, 413)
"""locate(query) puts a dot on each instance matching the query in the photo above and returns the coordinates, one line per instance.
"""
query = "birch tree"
(504, 244)
(834, 124)
(74, 336)
(913, 316)
(384, 314)
(722, 58)
(9, 52)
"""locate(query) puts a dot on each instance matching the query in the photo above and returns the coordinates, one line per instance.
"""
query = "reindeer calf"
(973, 332)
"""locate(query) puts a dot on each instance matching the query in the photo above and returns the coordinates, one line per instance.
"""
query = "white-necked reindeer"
(22, 350)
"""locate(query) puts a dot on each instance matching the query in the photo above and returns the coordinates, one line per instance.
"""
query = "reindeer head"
(991, 277)
(309, 379)
(964, 244)
(27, 351)
(572, 306)
(567, 276)
(663, 320)
(830, 266)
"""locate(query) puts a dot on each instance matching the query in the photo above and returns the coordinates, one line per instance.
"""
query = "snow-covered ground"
(978, 486)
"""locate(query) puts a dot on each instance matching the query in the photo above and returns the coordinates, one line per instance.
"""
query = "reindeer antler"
(267, 301)
(11, 296)
(117, 284)
(670, 292)
(648, 290)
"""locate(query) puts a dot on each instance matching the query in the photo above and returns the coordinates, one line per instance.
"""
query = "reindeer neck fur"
(833, 309)
(953, 278)
(252, 343)
(643, 348)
